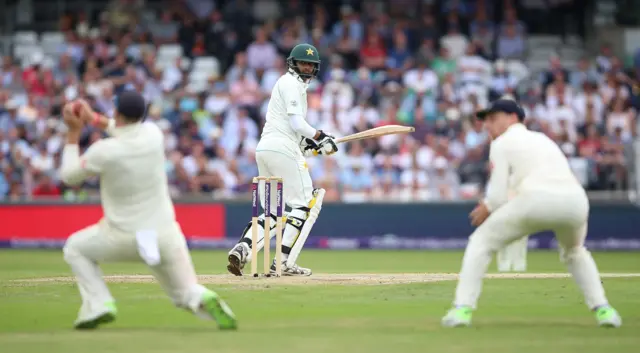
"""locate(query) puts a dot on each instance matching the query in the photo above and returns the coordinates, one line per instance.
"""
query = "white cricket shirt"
(524, 160)
(133, 183)
(288, 97)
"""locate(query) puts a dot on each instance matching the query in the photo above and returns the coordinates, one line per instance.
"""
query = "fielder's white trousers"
(563, 210)
(99, 243)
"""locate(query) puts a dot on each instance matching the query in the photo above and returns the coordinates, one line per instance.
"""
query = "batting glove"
(326, 144)
(309, 147)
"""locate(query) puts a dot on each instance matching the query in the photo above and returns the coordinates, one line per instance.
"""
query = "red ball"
(76, 108)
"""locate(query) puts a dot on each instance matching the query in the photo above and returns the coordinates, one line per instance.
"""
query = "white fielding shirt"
(133, 183)
(287, 110)
(524, 160)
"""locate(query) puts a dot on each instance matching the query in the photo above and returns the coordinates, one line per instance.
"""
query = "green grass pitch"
(355, 312)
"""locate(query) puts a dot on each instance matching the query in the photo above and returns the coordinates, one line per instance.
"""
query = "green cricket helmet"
(304, 53)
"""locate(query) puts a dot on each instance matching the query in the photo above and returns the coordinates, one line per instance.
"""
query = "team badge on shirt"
(294, 103)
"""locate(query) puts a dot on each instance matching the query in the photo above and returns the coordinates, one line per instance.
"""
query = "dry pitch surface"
(318, 279)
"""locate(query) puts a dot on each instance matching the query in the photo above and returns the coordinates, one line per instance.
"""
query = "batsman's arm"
(497, 193)
(75, 168)
(316, 142)
(299, 125)
(293, 103)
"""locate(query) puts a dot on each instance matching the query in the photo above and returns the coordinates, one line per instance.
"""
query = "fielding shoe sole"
(219, 311)
(104, 318)
(94, 323)
(457, 317)
(608, 317)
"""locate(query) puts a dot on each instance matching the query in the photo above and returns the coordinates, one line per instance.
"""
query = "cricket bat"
(377, 132)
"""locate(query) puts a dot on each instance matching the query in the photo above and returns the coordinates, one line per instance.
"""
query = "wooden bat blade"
(377, 132)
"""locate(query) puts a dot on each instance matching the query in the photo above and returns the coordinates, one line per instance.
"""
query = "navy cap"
(502, 105)
(131, 104)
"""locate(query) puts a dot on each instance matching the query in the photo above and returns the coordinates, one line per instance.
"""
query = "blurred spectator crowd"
(207, 68)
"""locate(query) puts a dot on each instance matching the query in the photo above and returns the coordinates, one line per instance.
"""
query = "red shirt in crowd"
(373, 53)
(34, 81)
(46, 190)
(589, 147)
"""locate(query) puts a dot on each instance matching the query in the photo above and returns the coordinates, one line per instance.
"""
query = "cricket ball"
(76, 108)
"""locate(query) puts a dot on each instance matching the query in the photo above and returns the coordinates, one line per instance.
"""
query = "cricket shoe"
(219, 311)
(105, 316)
(237, 259)
(458, 317)
(293, 270)
(608, 317)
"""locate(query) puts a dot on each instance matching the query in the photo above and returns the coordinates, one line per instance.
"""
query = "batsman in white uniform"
(285, 142)
(547, 197)
(139, 223)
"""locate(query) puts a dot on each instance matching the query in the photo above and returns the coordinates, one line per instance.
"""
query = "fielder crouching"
(286, 140)
(547, 197)
(139, 221)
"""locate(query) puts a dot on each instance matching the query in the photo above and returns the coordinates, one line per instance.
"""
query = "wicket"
(513, 257)
(255, 201)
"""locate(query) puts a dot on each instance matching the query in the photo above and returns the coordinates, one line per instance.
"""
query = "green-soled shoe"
(608, 317)
(105, 317)
(458, 317)
(219, 311)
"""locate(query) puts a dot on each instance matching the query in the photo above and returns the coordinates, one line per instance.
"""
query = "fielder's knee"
(70, 250)
(476, 245)
(571, 254)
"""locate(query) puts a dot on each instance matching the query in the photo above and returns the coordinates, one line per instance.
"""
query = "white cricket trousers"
(276, 158)
(563, 210)
(99, 243)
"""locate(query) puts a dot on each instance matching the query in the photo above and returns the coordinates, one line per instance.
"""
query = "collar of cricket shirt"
(299, 79)
(516, 126)
(124, 129)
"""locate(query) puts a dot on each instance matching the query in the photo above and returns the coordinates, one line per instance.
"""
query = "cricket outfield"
(358, 301)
